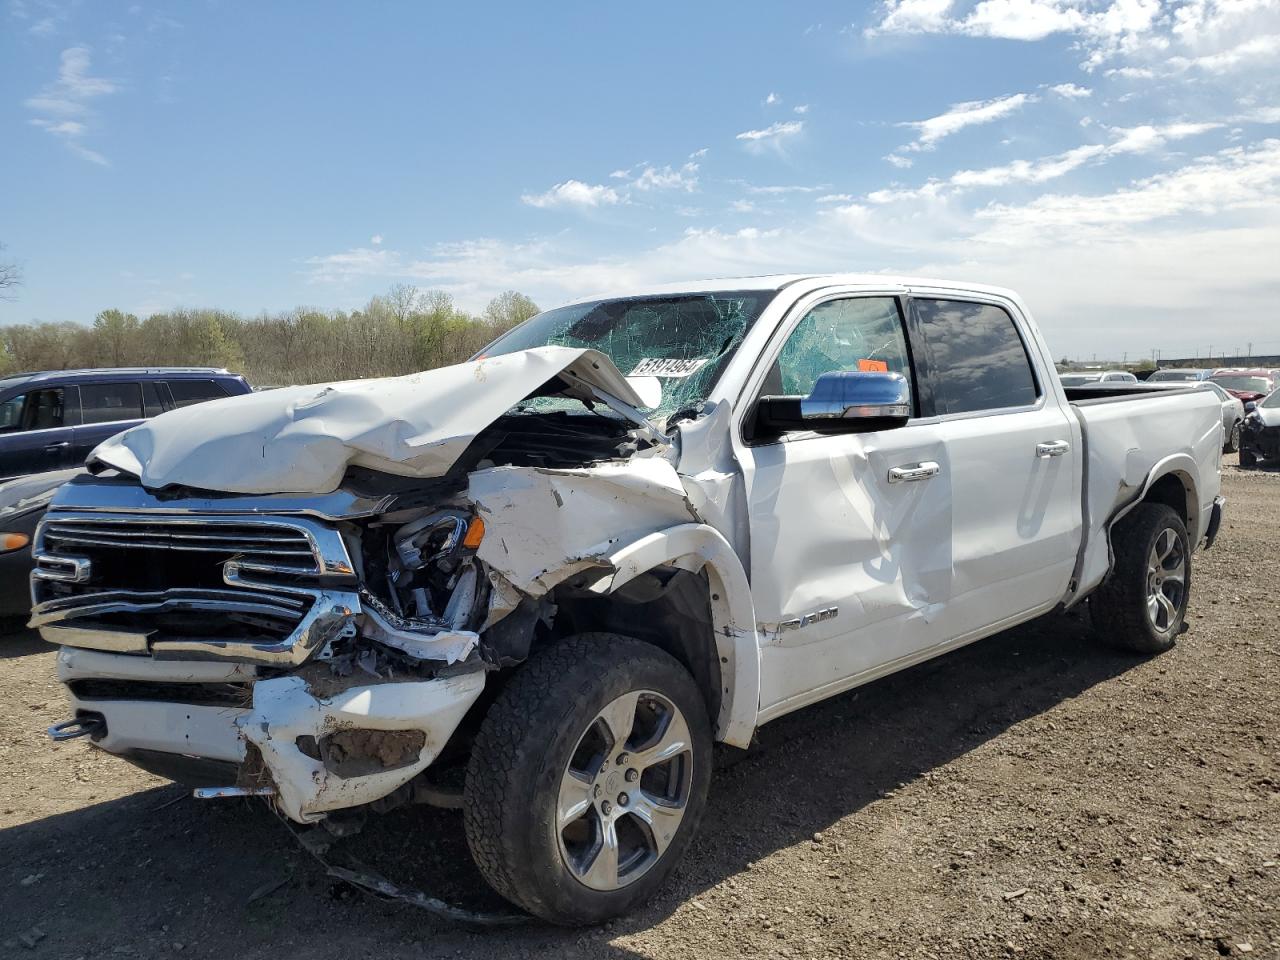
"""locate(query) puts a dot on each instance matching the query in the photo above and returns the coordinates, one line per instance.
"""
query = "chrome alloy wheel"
(625, 790)
(1166, 580)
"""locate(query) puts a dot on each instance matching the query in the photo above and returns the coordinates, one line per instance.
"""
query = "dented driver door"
(851, 549)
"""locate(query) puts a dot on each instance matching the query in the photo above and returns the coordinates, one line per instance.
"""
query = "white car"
(633, 526)
(1232, 409)
(1094, 377)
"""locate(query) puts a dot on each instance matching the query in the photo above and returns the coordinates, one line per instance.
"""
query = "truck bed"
(1126, 433)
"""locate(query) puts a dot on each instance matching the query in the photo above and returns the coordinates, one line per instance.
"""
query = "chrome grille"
(253, 545)
(237, 587)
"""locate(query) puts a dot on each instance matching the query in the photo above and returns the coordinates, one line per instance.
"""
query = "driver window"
(864, 334)
(37, 410)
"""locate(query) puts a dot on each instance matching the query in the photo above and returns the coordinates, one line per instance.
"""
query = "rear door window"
(110, 402)
(979, 361)
(187, 392)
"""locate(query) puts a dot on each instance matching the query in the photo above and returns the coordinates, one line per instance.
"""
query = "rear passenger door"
(108, 408)
(1012, 459)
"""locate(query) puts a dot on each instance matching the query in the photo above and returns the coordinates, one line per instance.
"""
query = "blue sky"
(1116, 161)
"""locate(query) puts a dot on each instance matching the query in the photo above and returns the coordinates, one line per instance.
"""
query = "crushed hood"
(303, 439)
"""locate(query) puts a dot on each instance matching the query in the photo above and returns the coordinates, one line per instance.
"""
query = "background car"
(1247, 385)
(1260, 437)
(1233, 411)
(1179, 375)
(22, 503)
(1097, 376)
(51, 420)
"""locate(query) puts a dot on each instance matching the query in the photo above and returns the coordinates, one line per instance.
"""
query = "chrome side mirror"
(858, 396)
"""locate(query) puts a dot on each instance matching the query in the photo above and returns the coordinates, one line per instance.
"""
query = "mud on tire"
(549, 782)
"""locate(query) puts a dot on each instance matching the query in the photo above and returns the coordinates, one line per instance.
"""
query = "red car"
(1246, 385)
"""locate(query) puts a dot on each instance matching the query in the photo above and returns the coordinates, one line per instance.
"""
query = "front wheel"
(588, 778)
(1142, 604)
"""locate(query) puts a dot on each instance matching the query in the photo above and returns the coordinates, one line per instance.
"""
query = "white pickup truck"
(631, 527)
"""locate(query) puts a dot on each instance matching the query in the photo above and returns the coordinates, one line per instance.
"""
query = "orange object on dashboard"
(873, 366)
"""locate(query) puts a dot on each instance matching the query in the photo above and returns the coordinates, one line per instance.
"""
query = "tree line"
(402, 331)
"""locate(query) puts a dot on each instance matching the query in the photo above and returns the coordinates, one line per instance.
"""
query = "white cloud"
(961, 115)
(1070, 91)
(376, 239)
(667, 178)
(1128, 140)
(1260, 50)
(835, 198)
(1145, 138)
(1021, 19)
(899, 161)
(772, 133)
(786, 188)
(913, 16)
(699, 154)
(1154, 37)
(1158, 252)
(771, 99)
(1232, 180)
(573, 193)
(801, 109)
(351, 264)
(742, 206)
(63, 107)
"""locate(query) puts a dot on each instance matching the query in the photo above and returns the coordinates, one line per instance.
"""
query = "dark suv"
(51, 420)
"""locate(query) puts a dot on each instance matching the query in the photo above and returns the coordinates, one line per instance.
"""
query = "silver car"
(1232, 409)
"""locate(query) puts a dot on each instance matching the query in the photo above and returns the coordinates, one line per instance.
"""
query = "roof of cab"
(807, 281)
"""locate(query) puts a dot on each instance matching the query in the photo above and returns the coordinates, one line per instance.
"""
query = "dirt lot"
(1031, 795)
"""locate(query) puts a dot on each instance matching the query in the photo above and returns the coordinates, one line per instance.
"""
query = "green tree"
(115, 334)
(508, 309)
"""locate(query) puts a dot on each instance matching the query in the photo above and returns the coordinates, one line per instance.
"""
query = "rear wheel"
(1142, 604)
(588, 778)
(1233, 439)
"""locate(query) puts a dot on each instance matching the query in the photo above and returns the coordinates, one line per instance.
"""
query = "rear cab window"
(978, 361)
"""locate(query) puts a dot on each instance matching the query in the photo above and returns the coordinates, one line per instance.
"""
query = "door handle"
(914, 471)
(1052, 448)
(55, 447)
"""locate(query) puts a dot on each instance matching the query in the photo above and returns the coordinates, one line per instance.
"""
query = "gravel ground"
(1030, 795)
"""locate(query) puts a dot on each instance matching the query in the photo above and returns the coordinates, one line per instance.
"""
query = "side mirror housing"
(841, 402)
(1251, 406)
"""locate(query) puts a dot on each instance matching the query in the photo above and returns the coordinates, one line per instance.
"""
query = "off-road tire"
(1119, 605)
(1233, 439)
(1248, 458)
(522, 749)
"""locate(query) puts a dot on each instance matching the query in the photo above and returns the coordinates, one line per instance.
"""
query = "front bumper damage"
(316, 743)
(1261, 440)
(355, 746)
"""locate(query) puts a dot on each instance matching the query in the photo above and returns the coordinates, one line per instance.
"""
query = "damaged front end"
(330, 659)
(320, 648)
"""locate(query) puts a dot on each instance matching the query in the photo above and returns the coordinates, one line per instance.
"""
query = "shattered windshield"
(682, 341)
